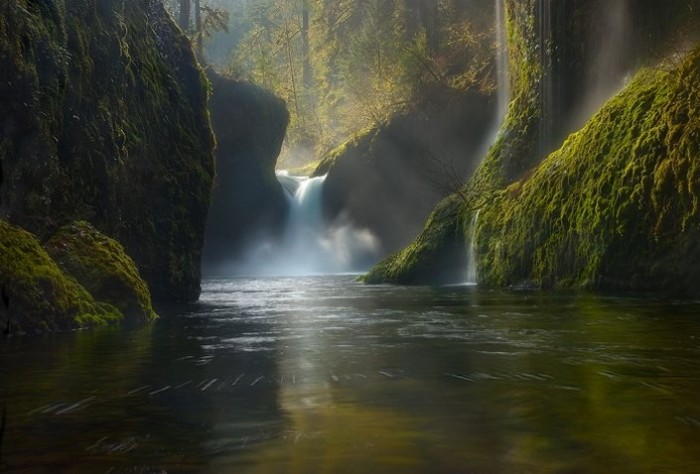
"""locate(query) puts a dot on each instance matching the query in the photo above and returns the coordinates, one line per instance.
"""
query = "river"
(323, 374)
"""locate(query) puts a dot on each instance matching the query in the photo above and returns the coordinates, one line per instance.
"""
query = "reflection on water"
(327, 375)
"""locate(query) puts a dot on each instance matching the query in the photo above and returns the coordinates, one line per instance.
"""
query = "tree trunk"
(428, 18)
(184, 20)
(306, 64)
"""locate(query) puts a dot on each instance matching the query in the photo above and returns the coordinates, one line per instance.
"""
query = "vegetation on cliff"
(613, 208)
(616, 205)
(515, 237)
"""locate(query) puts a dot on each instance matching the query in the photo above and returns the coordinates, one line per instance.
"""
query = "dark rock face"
(390, 179)
(248, 203)
(103, 118)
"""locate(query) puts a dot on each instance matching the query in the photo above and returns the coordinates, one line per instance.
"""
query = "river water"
(322, 374)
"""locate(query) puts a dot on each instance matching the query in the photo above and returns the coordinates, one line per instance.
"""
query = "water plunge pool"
(323, 374)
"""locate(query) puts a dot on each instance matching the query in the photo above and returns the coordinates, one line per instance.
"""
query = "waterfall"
(309, 246)
(472, 277)
(502, 77)
(608, 64)
(502, 73)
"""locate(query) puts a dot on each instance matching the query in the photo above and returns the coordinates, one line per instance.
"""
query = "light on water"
(322, 374)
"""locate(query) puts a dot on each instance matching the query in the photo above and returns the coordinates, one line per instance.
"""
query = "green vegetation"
(351, 65)
(613, 207)
(101, 265)
(616, 206)
(40, 296)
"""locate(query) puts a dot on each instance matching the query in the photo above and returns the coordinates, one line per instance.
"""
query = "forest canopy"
(344, 66)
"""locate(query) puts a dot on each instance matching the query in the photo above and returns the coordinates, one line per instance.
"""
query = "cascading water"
(503, 101)
(309, 246)
(472, 277)
(502, 74)
(608, 64)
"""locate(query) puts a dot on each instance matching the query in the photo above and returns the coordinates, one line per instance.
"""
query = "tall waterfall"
(502, 77)
(309, 246)
(472, 277)
(608, 64)
(544, 18)
(503, 101)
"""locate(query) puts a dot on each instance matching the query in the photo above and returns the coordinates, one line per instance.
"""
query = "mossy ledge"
(101, 265)
(37, 295)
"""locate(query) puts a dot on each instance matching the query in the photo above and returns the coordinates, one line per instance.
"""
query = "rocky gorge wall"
(103, 119)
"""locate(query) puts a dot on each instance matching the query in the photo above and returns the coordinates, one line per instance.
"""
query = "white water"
(502, 72)
(607, 66)
(309, 245)
(502, 104)
(472, 276)
(546, 84)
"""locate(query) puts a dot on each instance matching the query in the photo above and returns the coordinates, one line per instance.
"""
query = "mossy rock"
(437, 256)
(617, 206)
(37, 295)
(102, 266)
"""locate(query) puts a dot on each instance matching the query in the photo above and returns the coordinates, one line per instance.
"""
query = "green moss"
(102, 266)
(617, 205)
(431, 258)
(594, 214)
(41, 297)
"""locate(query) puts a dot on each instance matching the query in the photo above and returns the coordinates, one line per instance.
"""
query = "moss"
(40, 296)
(617, 206)
(432, 258)
(101, 265)
(308, 169)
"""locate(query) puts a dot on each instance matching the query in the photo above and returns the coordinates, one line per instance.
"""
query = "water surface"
(323, 374)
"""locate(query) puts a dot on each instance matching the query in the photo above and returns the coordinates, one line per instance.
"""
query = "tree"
(207, 20)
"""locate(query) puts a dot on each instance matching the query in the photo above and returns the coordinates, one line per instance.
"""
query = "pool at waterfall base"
(324, 374)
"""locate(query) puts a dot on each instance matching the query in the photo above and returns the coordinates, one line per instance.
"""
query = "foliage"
(209, 18)
(369, 60)
(614, 208)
